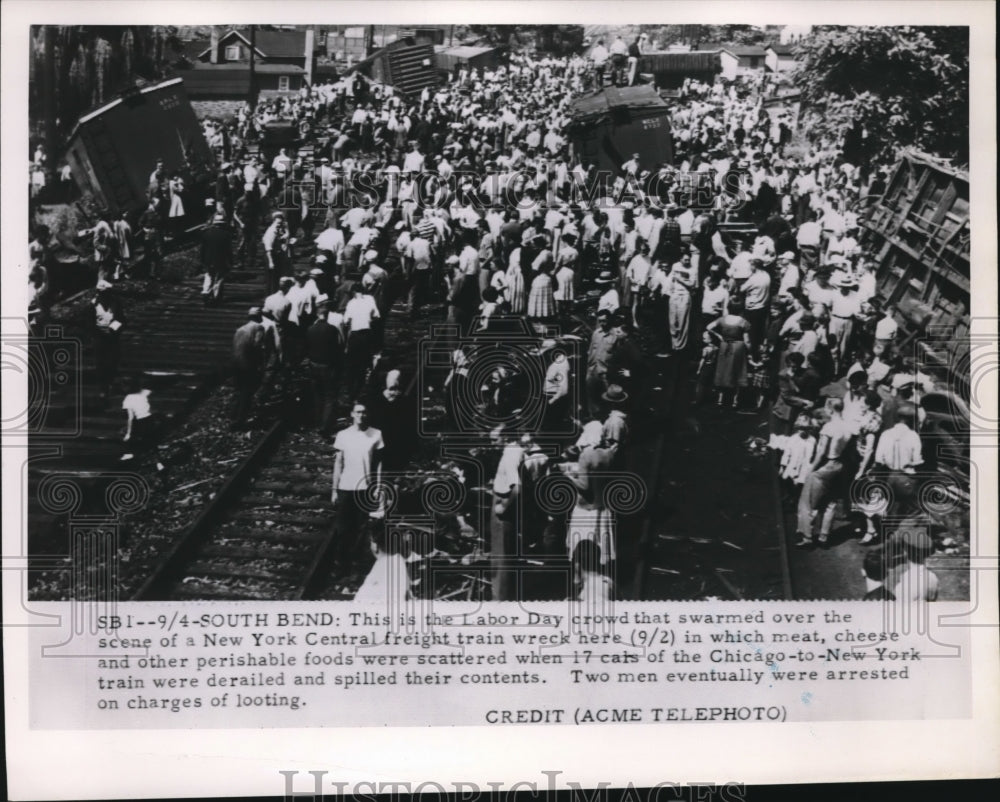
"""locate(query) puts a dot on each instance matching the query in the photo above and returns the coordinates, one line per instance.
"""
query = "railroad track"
(176, 346)
(713, 526)
(267, 534)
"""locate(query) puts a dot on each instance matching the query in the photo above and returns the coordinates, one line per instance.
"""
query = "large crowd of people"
(466, 205)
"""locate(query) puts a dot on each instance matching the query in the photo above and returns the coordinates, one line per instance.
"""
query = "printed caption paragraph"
(300, 665)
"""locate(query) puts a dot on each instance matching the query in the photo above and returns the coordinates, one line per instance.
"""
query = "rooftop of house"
(269, 44)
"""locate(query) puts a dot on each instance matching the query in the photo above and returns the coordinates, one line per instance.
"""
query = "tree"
(74, 68)
(881, 89)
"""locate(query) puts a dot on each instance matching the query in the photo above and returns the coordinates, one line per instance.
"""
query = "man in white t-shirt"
(359, 321)
(599, 55)
(329, 244)
(417, 260)
(885, 332)
(357, 472)
(414, 160)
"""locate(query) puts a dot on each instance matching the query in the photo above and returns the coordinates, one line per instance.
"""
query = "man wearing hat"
(324, 175)
(248, 363)
(615, 430)
(788, 274)
(820, 292)
(302, 297)
(375, 281)
(109, 319)
(756, 291)
(668, 244)
(610, 300)
(216, 258)
(599, 355)
(844, 307)
(316, 283)
(324, 354)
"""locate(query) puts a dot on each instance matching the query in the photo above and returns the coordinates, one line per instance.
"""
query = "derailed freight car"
(609, 126)
(114, 149)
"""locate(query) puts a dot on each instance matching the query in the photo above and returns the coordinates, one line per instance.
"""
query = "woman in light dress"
(176, 212)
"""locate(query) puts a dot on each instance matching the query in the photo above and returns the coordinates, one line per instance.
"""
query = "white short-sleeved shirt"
(331, 239)
(420, 251)
(358, 447)
(137, 404)
(899, 448)
(757, 290)
(361, 312)
(886, 328)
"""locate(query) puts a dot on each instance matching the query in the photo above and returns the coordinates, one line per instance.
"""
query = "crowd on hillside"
(465, 205)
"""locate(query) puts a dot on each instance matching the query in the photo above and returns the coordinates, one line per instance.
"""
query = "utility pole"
(252, 100)
(48, 84)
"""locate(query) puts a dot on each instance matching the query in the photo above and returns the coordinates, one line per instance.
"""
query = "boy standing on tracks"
(356, 469)
(108, 322)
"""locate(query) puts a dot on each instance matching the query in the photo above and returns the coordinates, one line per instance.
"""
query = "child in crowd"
(796, 455)
(706, 367)
(488, 307)
(759, 375)
(138, 418)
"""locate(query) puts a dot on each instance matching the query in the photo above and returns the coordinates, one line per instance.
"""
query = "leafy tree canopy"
(886, 88)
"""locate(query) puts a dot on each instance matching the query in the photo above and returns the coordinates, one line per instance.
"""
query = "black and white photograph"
(498, 312)
(385, 380)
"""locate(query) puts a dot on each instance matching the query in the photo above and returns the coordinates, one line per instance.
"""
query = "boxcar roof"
(590, 108)
(118, 100)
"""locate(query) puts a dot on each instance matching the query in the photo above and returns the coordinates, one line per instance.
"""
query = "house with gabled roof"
(749, 58)
(779, 57)
(284, 61)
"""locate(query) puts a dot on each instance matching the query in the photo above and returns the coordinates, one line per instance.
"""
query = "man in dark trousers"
(394, 414)
(152, 232)
(248, 363)
(325, 362)
(247, 219)
(357, 472)
(108, 320)
(668, 249)
(216, 258)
